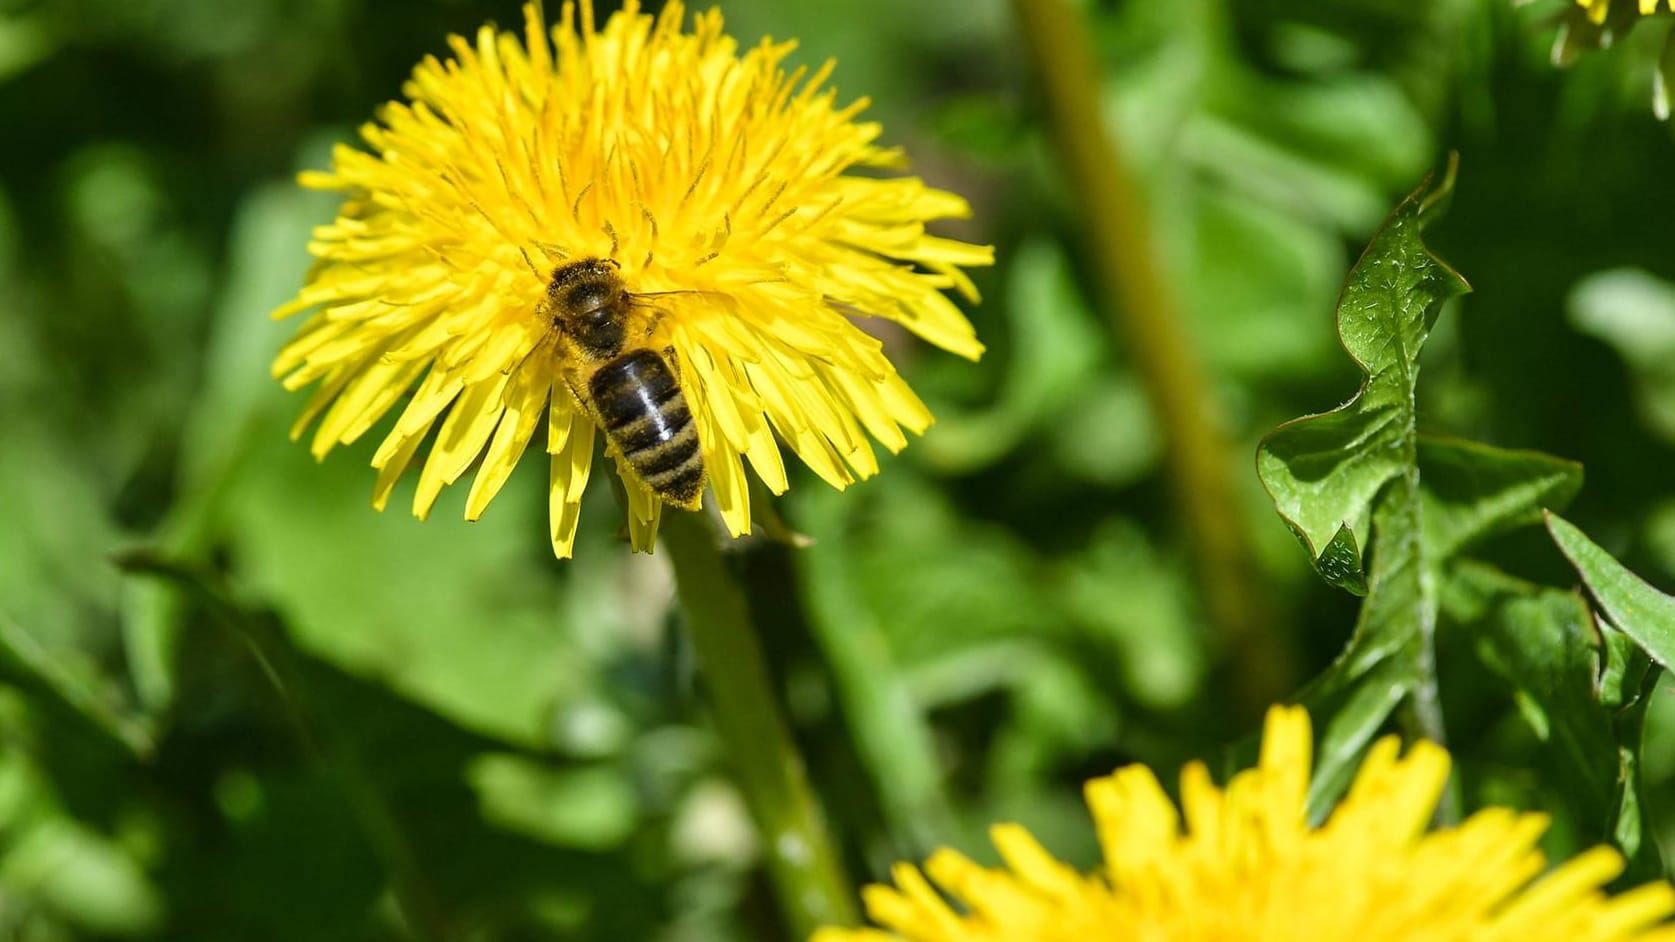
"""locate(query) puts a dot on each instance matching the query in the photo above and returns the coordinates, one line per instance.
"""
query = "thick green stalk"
(1148, 320)
(801, 855)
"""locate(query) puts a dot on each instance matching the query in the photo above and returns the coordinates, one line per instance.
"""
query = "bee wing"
(651, 305)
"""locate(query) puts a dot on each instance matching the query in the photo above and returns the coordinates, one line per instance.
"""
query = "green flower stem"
(801, 855)
(1149, 322)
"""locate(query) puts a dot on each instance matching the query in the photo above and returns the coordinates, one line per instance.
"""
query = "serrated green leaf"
(1638, 610)
(1362, 474)
(1342, 476)
(1324, 472)
(1473, 491)
(1340, 562)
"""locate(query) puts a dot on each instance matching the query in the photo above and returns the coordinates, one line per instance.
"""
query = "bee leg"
(582, 400)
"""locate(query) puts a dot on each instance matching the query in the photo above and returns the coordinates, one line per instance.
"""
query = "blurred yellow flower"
(1249, 867)
(1598, 9)
(1595, 24)
(539, 209)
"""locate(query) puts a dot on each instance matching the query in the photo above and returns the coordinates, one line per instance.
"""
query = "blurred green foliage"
(235, 702)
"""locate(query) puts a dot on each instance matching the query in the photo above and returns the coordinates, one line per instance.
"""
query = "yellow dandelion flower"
(1247, 866)
(635, 230)
(1595, 24)
(1599, 9)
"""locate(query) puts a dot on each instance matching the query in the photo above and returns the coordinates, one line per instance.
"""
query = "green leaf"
(237, 405)
(1543, 642)
(355, 792)
(1325, 472)
(1339, 477)
(1362, 474)
(591, 807)
(1473, 491)
(1626, 661)
(891, 732)
(1642, 627)
(68, 767)
(1638, 610)
(1625, 672)
(89, 878)
(1354, 720)
(1401, 608)
(68, 678)
(1339, 562)
(1580, 686)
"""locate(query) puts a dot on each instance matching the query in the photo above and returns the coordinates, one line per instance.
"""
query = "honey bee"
(631, 390)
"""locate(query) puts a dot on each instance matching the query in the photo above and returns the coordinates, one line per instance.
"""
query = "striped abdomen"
(645, 416)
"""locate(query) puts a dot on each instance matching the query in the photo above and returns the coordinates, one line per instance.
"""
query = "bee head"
(585, 289)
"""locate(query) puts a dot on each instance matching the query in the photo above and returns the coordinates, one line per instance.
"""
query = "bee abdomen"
(645, 415)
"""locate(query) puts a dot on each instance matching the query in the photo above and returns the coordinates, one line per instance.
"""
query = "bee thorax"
(598, 332)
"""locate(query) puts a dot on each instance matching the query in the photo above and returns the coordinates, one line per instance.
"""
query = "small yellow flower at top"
(1248, 867)
(1599, 9)
(1595, 24)
(635, 231)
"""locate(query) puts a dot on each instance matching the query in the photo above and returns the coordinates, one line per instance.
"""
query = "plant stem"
(802, 858)
(1147, 319)
(1425, 702)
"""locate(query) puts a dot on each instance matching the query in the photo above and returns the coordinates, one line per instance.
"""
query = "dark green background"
(237, 703)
